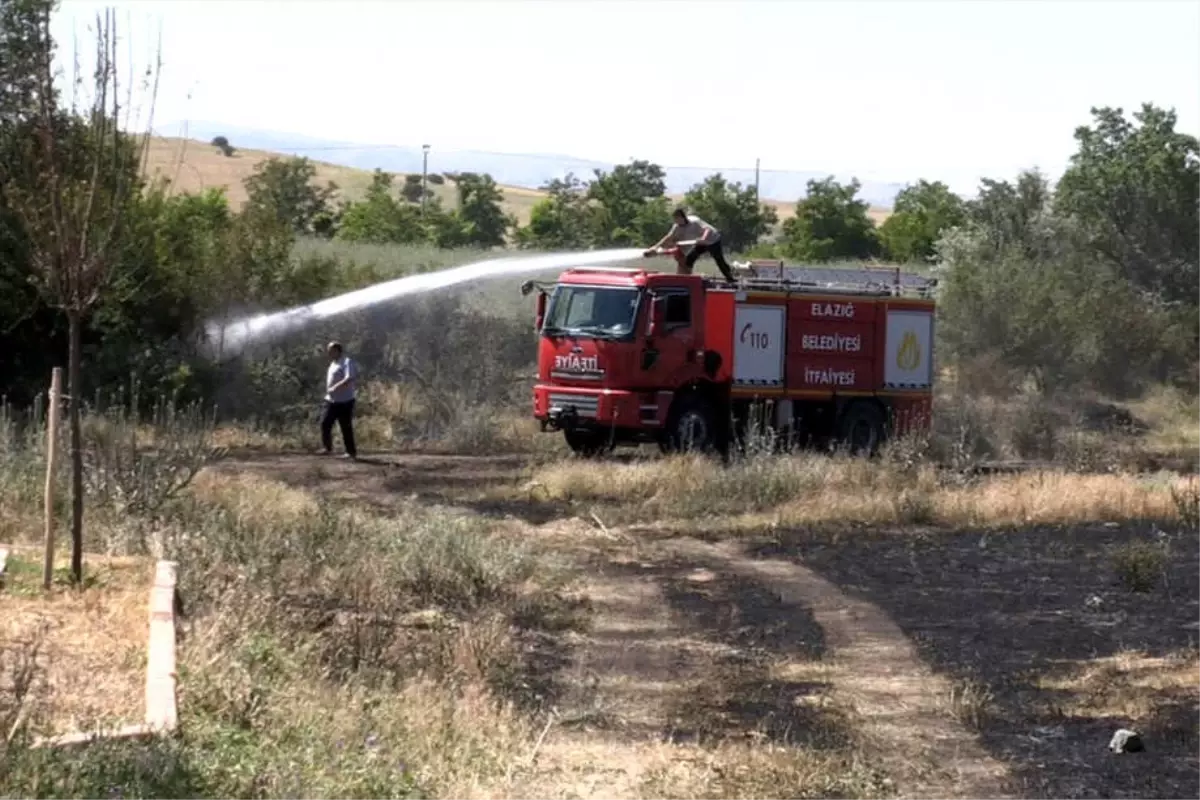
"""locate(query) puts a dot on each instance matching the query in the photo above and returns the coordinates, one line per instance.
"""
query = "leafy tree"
(31, 331)
(1133, 190)
(1010, 215)
(734, 209)
(68, 178)
(559, 221)
(631, 206)
(284, 188)
(829, 224)
(379, 217)
(1058, 317)
(411, 190)
(222, 144)
(176, 268)
(484, 221)
(443, 227)
(919, 216)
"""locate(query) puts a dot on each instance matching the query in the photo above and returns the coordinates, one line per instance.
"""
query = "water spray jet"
(227, 340)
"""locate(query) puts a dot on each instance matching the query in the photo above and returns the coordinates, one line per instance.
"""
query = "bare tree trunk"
(75, 398)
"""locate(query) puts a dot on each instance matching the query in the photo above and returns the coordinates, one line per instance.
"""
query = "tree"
(1011, 215)
(443, 227)
(559, 221)
(733, 209)
(30, 330)
(1133, 190)
(485, 223)
(1051, 312)
(222, 144)
(379, 218)
(631, 206)
(284, 188)
(919, 216)
(829, 224)
(73, 178)
(411, 190)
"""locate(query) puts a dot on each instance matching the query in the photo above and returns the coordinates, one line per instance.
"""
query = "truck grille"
(585, 405)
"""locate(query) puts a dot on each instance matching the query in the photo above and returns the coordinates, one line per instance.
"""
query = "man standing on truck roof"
(688, 227)
(340, 383)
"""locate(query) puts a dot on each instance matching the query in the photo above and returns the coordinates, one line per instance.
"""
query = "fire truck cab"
(821, 356)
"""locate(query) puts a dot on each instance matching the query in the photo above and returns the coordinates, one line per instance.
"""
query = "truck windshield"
(591, 311)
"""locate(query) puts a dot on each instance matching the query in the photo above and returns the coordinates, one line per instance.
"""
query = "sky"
(952, 90)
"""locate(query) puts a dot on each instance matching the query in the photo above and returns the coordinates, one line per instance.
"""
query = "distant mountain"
(530, 170)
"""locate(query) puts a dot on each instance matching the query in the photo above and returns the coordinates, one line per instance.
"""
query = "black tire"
(588, 443)
(692, 426)
(862, 429)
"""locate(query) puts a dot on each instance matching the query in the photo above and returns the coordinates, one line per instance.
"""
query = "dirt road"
(707, 661)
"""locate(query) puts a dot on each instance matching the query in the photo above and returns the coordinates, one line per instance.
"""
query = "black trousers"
(343, 414)
(716, 252)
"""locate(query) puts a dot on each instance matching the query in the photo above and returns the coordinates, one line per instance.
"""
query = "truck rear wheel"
(691, 426)
(861, 429)
(588, 443)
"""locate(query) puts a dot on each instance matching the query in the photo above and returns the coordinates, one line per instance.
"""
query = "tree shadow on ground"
(752, 668)
(1014, 610)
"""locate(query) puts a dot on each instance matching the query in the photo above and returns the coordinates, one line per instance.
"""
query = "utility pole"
(756, 161)
(424, 176)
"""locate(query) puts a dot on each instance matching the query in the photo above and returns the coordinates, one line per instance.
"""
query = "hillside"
(193, 166)
(513, 169)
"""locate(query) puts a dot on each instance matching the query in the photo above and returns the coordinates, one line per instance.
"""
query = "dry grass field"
(428, 623)
(193, 166)
(468, 611)
(75, 659)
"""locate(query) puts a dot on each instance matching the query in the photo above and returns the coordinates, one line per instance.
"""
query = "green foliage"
(23, 40)
(1133, 190)
(919, 216)
(733, 209)
(283, 188)
(628, 206)
(631, 206)
(485, 224)
(1025, 291)
(830, 224)
(380, 218)
(222, 144)
(560, 221)
(411, 190)
(1009, 215)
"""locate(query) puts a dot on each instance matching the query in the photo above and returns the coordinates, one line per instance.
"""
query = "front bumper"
(559, 407)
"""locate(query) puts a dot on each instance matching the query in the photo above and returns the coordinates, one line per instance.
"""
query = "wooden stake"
(55, 410)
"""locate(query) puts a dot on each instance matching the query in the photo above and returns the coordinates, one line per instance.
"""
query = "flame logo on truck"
(908, 357)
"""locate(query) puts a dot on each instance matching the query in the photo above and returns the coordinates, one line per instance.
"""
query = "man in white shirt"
(340, 384)
(689, 227)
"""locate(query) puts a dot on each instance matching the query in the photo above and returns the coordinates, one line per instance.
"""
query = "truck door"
(675, 346)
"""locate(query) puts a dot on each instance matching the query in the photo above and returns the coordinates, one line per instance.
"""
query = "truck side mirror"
(541, 310)
(658, 316)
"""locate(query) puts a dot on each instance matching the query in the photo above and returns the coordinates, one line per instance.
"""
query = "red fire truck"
(823, 357)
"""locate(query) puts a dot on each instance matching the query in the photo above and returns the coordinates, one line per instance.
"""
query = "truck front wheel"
(691, 426)
(862, 429)
(588, 443)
